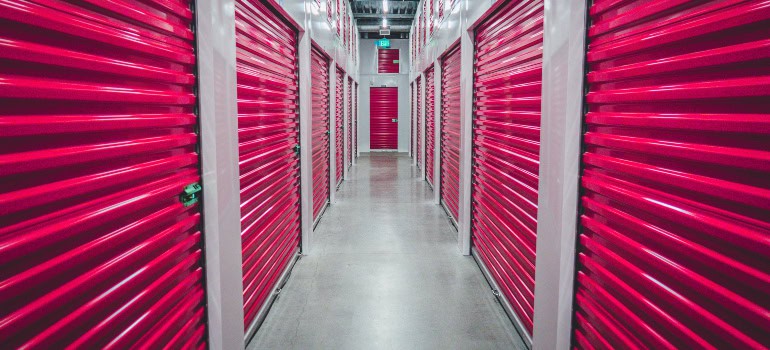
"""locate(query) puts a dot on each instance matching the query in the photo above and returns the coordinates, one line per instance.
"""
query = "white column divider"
(466, 141)
(560, 133)
(305, 140)
(215, 37)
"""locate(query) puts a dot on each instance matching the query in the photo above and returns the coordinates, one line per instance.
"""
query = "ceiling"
(369, 14)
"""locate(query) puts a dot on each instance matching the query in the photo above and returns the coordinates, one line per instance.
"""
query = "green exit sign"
(383, 43)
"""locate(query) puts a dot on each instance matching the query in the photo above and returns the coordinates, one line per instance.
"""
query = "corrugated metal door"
(98, 136)
(430, 118)
(450, 131)
(411, 122)
(383, 111)
(339, 117)
(355, 121)
(506, 148)
(320, 138)
(673, 249)
(388, 61)
(350, 123)
(418, 134)
(268, 137)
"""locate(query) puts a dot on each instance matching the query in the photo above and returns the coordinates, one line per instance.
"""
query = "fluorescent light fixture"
(384, 22)
(384, 6)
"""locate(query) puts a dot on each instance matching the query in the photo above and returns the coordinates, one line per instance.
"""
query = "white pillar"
(215, 36)
(305, 140)
(560, 133)
(466, 141)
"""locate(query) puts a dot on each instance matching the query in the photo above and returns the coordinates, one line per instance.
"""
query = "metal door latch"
(191, 194)
(394, 120)
(296, 149)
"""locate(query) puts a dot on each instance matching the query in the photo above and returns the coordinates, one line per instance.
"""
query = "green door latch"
(191, 194)
(296, 150)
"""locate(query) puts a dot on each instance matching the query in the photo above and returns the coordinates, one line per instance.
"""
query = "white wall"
(369, 77)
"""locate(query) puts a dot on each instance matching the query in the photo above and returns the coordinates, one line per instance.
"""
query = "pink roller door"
(411, 122)
(418, 134)
(430, 118)
(268, 138)
(355, 121)
(450, 131)
(388, 61)
(383, 118)
(320, 138)
(350, 123)
(99, 216)
(339, 117)
(506, 147)
(673, 246)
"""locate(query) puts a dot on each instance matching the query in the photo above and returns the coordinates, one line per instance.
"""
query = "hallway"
(385, 273)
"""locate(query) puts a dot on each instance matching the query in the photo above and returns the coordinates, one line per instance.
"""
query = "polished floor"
(385, 272)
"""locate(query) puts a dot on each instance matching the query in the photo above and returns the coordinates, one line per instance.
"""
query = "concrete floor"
(385, 272)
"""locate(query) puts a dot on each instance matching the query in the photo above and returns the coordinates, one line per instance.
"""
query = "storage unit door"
(450, 132)
(339, 118)
(350, 123)
(388, 61)
(418, 135)
(383, 111)
(320, 139)
(268, 134)
(673, 246)
(429, 124)
(99, 247)
(506, 149)
(411, 115)
(355, 120)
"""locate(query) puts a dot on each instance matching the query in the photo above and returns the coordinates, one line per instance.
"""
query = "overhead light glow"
(384, 22)
(384, 6)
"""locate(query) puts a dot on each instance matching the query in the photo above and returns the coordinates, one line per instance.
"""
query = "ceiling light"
(384, 22)
(384, 6)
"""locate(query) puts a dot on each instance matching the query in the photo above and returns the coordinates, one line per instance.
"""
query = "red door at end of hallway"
(383, 111)
(268, 137)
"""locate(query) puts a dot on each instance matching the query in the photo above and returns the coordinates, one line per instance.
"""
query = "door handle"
(394, 120)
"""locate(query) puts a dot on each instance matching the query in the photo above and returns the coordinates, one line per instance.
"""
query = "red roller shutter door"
(411, 122)
(320, 138)
(350, 123)
(506, 148)
(340, 124)
(430, 118)
(673, 249)
(383, 109)
(99, 141)
(388, 61)
(418, 135)
(355, 121)
(450, 131)
(268, 133)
